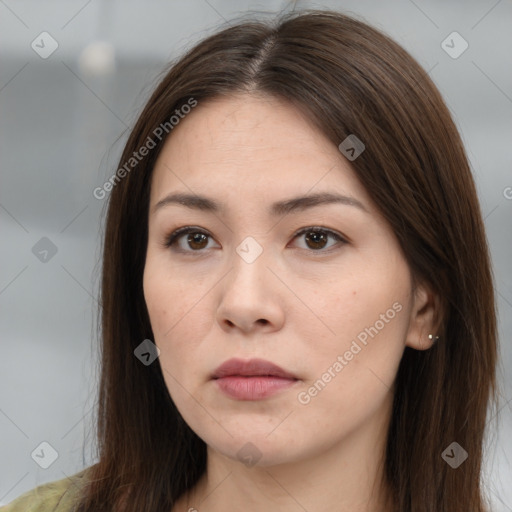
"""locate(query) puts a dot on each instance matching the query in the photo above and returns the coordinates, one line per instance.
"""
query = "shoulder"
(56, 496)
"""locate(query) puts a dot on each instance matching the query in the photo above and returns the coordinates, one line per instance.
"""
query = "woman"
(297, 302)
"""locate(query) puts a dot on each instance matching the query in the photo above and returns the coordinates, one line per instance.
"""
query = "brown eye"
(317, 238)
(195, 241)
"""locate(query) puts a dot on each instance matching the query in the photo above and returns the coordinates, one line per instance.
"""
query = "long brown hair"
(348, 78)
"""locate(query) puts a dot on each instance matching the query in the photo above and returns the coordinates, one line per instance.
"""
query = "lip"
(250, 368)
(252, 379)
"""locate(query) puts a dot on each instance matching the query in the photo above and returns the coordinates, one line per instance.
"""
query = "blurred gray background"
(73, 77)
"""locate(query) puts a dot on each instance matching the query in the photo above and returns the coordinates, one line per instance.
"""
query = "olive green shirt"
(57, 496)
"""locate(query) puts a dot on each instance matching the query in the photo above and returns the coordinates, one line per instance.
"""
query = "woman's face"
(334, 308)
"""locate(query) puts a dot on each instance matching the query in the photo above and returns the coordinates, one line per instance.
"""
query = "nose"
(251, 298)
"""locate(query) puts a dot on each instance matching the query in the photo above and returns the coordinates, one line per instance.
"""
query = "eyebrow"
(293, 205)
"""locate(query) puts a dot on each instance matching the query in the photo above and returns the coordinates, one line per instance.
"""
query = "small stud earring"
(433, 338)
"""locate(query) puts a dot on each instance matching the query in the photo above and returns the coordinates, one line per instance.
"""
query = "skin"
(300, 304)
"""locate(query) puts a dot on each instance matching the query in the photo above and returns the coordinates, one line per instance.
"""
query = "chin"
(256, 449)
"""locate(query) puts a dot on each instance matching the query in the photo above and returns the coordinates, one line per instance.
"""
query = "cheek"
(351, 378)
(179, 320)
(365, 322)
(348, 308)
(169, 298)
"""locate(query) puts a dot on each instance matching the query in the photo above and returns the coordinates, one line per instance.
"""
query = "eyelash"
(171, 239)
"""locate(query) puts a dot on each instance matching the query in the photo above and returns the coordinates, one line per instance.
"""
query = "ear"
(423, 320)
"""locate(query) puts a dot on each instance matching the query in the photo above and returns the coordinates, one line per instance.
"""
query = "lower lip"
(252, 388)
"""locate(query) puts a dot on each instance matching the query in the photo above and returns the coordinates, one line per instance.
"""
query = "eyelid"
(176, 234)
(329, 231)
(170, 239)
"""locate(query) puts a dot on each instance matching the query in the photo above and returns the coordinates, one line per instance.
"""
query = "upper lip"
(250, 367)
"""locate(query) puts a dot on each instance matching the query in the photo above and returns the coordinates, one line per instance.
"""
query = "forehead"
(253, 145)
